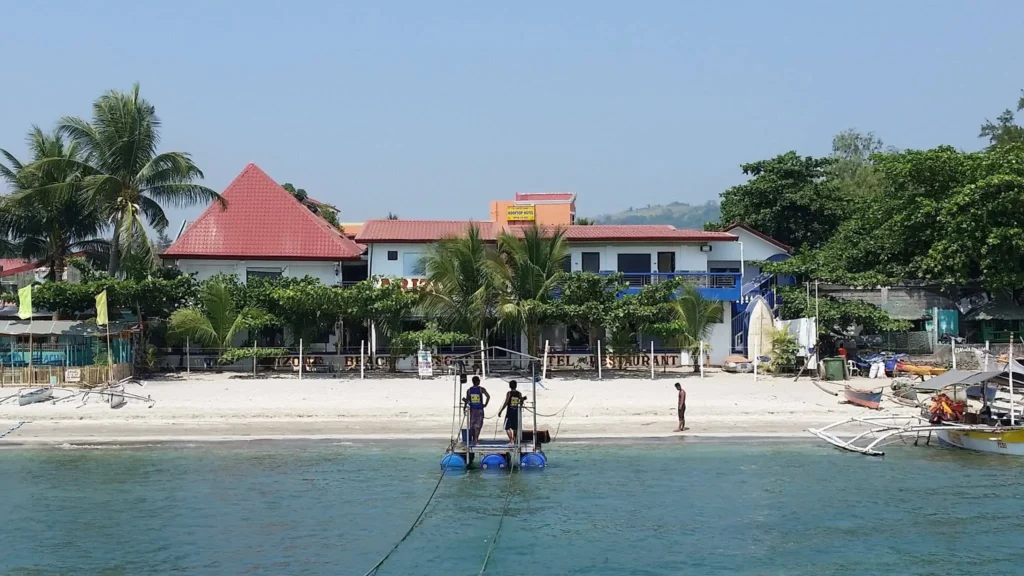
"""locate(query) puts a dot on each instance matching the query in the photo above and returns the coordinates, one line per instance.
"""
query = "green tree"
(642, 312)
(325, 211)
(51, 226)
(853, 170)
(584, 221)
(1004, 130)
(124, 175)
(789, 198)
(836, 316)
(586, 299)
(384, 305)
(526, 272)
(309, 308)
(693, 318)
(213, 323)
(459, 290)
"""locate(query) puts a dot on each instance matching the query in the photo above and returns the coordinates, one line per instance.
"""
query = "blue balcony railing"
(721, 286)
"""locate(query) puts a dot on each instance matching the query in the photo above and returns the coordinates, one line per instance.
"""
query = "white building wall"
(721, 337)
(689, 257)
(753, 248)
(327, 272)
(403, 267)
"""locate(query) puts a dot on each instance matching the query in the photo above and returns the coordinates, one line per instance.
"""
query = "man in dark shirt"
(514, 402)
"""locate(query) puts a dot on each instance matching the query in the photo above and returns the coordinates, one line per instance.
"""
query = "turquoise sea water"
(666, 507)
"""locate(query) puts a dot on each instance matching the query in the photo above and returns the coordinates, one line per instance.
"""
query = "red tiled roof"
(543, 196)
(417, 230)
(433, 230)
(15, 265)
(262, 221)
(760, 235)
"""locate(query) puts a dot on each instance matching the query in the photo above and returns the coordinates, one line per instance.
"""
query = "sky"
(432, 109)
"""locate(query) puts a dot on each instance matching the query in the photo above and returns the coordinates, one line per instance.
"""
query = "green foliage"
(835, 316)
(308, 308)
(460, 289)
(784, 351)
(408, 343)
(852, 170)
(213, 323)
(646, 311)
(124, 176)
(788, 198)
(691, 321)
(585, 299)
(1004, 130)
(526, 272)
(233, 355)
(155, 297)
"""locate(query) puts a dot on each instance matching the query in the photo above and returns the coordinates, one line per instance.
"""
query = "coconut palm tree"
(53, 225)
(212, 324)
(124, 175)
(694, 319)
(459, 291)
(526, 271)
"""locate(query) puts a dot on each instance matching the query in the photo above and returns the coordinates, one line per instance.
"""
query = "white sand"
(222, 407)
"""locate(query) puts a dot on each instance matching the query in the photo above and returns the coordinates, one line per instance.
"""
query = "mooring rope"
(419, 517)
(560, 411)
(13, 428)
(504, 510)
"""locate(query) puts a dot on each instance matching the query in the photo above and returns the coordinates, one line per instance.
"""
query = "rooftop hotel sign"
(521, 213)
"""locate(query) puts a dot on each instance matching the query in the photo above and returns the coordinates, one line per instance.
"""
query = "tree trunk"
(115, 250)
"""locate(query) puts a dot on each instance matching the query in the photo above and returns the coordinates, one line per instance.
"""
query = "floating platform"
(491, 454)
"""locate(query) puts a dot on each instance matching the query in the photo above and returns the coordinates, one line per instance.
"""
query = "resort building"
(265, 231)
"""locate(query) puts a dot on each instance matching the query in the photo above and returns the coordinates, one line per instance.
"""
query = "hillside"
(678, 214)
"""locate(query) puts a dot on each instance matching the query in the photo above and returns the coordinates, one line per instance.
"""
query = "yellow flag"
(101, 308)
(25, 302)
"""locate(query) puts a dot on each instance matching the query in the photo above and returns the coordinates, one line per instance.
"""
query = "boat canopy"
(56, 328)
(965, 377)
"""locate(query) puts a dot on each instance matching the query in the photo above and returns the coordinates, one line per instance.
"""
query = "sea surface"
(647, 508)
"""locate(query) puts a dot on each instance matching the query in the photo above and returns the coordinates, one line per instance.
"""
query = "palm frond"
(190, 323)
(181, 194)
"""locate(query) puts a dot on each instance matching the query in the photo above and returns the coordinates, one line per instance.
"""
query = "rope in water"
(13, 428)
(560, 411)
(416, 522)
(504, 510)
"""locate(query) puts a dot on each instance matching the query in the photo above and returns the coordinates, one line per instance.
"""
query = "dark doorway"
(635, 268)
(591, 262)
(666, 262)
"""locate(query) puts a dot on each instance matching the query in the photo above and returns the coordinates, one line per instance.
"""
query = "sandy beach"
(228, 407)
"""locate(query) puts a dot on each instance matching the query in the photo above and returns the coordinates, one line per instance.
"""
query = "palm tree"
(123, 174)
(695, 318)
(60, 221)
(459, 291)
(526, 272)
(212, 324)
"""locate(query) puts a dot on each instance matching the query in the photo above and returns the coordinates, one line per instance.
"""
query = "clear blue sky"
(430, 109)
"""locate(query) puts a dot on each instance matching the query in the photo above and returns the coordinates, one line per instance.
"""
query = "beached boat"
(866, 398)
(33, 395)
(994, 440)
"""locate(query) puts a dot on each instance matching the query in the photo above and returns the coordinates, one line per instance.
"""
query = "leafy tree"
(584, 221)
(124, 176)
(789, 198)
(309, 308)
(408, 343)
(460, 290)
(693, 318)
(836, 316)
(53, 225)
(526, 272)
(325, 211)
(585, 299)
(213, 323)
(386, 306)
(1004, 130)
(392, 216)
(633, 314)
(853, 170)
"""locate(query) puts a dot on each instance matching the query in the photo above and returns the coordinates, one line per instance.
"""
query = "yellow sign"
(520, 213)
(101, 309)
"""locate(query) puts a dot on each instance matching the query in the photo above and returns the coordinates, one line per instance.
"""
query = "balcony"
(721, 286)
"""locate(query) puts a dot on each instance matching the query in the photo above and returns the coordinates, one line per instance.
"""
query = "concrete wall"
(689, 258)
(407, 253)
(721, 337)
(327, 272)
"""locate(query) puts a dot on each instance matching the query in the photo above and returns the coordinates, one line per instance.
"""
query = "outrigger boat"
(993, 428)
(527, 450)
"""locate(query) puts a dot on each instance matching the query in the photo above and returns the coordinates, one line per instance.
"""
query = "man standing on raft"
(477, 399)
(513, 401)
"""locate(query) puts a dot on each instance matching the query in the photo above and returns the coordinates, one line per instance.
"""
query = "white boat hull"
(993, 442)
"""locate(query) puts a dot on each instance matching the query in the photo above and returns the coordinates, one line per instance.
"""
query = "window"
(591, 261)
(411, 264)
(567, 264)
(263, 273)
(393, 255)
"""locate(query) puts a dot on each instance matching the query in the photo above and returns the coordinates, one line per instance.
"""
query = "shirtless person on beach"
(477, 399)
(681, 408)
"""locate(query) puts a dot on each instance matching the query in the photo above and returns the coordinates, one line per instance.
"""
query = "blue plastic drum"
(534, 460)
(453, 462)
(493, 461)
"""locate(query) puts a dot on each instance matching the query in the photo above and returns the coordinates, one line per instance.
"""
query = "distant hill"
(678, 214)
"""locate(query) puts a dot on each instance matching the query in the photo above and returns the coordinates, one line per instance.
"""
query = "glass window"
(411, 264)
(263, 273)
(393, 255)
(591, 262)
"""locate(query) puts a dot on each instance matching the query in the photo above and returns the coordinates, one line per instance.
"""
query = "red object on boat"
(865, 398)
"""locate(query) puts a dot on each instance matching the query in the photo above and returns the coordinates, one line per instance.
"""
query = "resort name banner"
(518, 213)
(555, 361)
